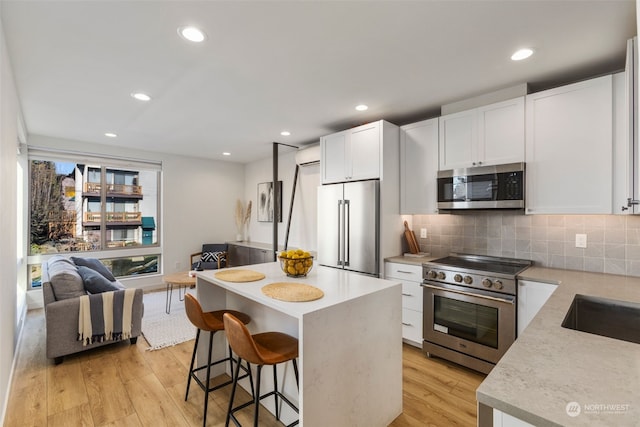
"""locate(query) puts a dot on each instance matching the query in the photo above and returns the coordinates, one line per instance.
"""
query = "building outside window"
(79, 206)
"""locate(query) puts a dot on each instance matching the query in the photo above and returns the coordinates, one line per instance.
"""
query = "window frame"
(105, 163)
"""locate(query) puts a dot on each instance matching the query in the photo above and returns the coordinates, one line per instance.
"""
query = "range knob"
(442, 275)
(486, 283)
(498, 284)
(468, 280)
(431, 274)
(458, 278)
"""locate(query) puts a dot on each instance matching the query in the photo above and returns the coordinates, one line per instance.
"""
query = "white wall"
(304, 218)
(198, 200)
(12, 302)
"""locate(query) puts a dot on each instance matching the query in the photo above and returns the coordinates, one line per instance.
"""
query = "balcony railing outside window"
(113, 217)
(96, 187)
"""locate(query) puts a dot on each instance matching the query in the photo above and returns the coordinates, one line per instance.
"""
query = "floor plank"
(107, 394)
(126, 385)
(65, 387)
(77, 416)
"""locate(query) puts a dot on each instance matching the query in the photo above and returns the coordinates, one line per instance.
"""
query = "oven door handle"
(470, 294)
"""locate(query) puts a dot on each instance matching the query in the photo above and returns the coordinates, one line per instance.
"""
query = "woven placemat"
(292, 292)
(239, 275)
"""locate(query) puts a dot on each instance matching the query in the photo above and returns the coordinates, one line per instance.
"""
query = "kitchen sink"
(606, 317)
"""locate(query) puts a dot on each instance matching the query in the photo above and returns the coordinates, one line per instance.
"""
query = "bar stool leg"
(236, 374)
(206, 381)
(295, 371)
(275, 388)
(257, 398)
(193, 359)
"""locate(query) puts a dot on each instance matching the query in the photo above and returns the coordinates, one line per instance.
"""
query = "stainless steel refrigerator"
(348, 226)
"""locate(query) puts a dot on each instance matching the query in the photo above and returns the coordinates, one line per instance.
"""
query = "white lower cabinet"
(411, 277)
(501, 419)
(531, 297)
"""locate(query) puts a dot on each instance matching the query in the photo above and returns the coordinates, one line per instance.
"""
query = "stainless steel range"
(470, 308)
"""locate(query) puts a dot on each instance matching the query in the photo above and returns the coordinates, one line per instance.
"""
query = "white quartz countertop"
(550, 367)
(339, 286)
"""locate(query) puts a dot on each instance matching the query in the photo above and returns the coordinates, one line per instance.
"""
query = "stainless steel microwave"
(482, 187)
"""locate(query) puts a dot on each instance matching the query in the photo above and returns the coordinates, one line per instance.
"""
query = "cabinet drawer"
(411, 296)
(412, 326)
(403, 271)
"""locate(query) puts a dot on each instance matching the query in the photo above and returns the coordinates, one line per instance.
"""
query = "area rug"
(161, 329)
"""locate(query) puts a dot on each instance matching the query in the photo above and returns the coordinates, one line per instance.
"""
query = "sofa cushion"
(95, 282)
(65, 279)
(94, 264)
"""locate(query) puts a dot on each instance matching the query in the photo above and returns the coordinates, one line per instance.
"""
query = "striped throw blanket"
(105, 316)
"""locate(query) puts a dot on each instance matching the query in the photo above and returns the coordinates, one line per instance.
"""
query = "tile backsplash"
(613, 241)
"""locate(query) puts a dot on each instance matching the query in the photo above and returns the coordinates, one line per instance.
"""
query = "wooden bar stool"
(211, 322)
(268, 348)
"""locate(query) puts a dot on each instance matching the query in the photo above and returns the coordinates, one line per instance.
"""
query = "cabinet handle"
(630, 202)
(402, 271)
(407, 324)
(407, 295)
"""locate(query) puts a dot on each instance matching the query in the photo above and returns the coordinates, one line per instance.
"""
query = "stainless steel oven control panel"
(471, 279)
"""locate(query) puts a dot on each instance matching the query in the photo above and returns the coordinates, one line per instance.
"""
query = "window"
(87, 204)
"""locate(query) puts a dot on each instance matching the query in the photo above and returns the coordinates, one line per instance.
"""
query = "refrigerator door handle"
(340, 227)
(347, 222)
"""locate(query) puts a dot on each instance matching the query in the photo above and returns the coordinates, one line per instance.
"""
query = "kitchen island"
(555, 376)
(350, 342)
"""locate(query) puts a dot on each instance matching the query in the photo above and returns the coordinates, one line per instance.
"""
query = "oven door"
(471, 321)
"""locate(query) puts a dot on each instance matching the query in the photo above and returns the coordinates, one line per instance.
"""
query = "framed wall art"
(267, 202)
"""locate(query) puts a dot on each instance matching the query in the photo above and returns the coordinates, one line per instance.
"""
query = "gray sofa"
(62, 305)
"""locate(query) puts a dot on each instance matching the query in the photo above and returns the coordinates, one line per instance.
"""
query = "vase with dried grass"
(239, 217)
(242, 218)
(247, 217)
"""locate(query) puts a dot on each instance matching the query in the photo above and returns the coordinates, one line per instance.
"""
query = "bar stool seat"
(267, 348)
(211, 322)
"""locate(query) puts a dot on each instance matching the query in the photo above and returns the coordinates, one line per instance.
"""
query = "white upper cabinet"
(333, 157)
(623, 158)
(569, 149)
(489, 135)
(364, 154)
(419, 168)
(352, 155)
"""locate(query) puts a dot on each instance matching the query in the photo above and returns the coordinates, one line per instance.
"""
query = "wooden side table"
(181, 280)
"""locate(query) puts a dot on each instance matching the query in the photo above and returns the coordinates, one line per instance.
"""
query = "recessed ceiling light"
(192, 34)
(111, 135)
(521, 54)
(226, 153)
(285, 133)
(362, 107)
(140, 96)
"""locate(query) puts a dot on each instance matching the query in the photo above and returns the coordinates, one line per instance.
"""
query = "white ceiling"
(298, 65)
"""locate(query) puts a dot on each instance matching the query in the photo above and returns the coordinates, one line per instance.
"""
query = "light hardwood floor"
(125, 385)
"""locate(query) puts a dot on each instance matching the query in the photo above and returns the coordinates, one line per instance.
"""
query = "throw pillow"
(212, 256)
(95, 282)
(65, 280)
(96, 265)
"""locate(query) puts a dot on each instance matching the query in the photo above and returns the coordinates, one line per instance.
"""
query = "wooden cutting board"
(414, 248)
